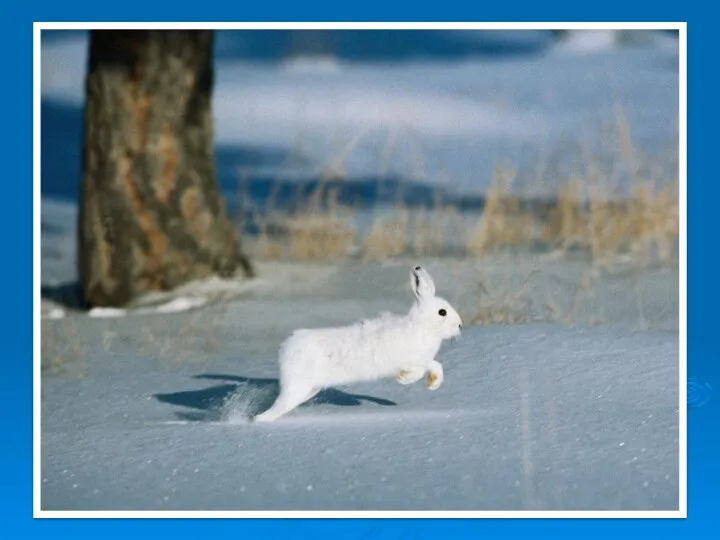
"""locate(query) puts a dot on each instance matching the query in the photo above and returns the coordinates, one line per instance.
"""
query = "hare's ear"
(421, 283)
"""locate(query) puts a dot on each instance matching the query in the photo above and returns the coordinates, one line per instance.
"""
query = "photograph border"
(38, 27)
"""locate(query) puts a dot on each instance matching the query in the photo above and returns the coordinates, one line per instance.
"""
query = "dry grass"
(565, 223)
(587, 217)
(544, 294)
(66, 353)
(432, 228)
(317, 231)
(502, 222)
(583, 217)
(62, 354)
(320, 236)
(388, 236)
(503, 307)
(589, 213)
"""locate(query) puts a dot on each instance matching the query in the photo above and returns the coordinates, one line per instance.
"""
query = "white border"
(682, 405)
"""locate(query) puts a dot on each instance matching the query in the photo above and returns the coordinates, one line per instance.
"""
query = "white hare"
(399, 346)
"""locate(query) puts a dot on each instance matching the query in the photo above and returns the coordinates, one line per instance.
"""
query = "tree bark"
(151, 214)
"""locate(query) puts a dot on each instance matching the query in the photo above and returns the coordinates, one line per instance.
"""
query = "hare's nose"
(460, 326)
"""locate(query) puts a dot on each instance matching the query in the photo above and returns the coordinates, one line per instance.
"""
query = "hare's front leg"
(410, 375)
(435, 375)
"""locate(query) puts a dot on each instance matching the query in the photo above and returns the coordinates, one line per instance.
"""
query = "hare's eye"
(442, 312)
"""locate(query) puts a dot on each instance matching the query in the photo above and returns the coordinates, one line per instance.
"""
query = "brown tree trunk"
(151, 215)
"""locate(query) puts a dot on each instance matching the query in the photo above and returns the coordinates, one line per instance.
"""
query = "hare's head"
(433, 313)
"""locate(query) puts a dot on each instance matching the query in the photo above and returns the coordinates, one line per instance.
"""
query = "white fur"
(390, 345)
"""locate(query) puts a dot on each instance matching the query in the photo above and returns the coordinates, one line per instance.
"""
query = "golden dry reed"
(586, 214)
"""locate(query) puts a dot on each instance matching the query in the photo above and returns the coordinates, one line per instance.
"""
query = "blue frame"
(17, 271)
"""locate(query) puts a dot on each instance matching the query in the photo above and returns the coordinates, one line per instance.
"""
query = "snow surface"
(529, 417)
(151, 412)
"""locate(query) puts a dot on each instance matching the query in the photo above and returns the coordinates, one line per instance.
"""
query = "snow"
(181, 304)
(529, 417)
(153, 412)
(55, 313)
(103, 313)
(585, 42)
(430, 121)
(148, 408)
(176, 305)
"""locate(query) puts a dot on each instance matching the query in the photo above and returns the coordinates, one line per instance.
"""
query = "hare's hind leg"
(291, 395)
(410, 375)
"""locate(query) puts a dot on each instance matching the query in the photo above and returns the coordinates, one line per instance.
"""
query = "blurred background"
(375, 144)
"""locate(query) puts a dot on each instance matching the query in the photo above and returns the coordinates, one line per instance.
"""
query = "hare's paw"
(435, 376)
(434, 381)
(292, 394)
(410, 375)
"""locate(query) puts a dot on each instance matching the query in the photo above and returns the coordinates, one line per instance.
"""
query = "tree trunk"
(151, 215)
